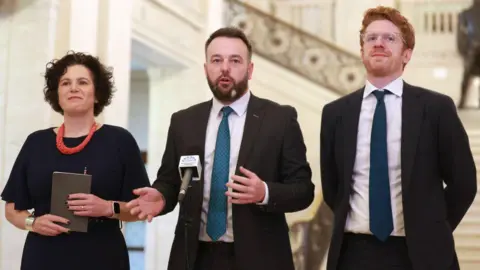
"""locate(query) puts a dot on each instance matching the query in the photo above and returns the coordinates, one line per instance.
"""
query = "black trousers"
(366, 252)
(215, 256)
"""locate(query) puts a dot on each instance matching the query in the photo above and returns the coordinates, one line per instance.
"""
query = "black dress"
(113, 159)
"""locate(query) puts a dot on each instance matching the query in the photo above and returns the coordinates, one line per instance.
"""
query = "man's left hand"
(248, 189)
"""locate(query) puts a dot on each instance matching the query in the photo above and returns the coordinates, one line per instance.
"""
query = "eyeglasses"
(389, 38)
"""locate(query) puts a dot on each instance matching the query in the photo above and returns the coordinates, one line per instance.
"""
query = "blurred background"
(306, 54)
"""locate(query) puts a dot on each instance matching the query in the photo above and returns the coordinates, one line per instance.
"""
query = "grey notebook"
(64, 184)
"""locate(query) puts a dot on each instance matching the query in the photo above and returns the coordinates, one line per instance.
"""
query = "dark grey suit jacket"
(273, 148)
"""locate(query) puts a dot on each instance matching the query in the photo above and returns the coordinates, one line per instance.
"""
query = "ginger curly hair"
(394, 16)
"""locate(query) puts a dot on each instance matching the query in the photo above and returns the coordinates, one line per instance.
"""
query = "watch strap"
(115, 209)
(29, 222)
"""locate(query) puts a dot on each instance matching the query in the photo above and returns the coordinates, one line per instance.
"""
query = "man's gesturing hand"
(249, 189)
(149, 203)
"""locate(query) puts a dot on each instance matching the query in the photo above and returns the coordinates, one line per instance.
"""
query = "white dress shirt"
(358, 220)
(236, 123)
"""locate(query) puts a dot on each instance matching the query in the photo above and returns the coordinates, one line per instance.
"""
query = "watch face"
(116, 207)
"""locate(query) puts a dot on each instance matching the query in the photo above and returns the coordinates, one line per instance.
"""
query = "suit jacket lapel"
(253, 121)
(350, 131)
(199, 123)
(412, 115)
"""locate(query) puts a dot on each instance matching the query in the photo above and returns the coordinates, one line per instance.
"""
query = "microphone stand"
(186, 225)
(186, 220)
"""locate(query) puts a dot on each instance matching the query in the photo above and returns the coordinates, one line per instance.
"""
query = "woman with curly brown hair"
(78, 86)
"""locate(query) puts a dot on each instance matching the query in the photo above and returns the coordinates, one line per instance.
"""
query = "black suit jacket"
(434, 149)
(273, 148)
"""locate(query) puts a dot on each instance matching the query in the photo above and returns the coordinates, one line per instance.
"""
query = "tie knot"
(380, 94)
(226, 111)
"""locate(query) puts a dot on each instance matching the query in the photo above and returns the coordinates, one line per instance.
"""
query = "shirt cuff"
(265, 200)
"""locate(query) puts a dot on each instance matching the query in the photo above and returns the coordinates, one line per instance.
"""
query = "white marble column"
(77, 29)
(103, 29)
(348, 22)
(215, 20)
(27, 38)
(114, 48)
(84, 17)
(171, 89)
(6, 14)
(215, 15)
(77, 26)
(162, 103)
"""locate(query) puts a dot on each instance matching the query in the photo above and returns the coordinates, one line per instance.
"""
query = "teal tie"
(381, 219)
(217, 209)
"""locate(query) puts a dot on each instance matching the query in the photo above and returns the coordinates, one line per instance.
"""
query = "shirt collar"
(395, 86)
(239, 106)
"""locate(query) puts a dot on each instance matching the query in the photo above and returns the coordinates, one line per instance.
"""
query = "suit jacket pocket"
(447, 232)
(442, 240)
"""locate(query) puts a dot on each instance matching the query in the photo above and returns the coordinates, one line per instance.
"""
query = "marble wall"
(27, 43)
(33, 32)
(171, 89)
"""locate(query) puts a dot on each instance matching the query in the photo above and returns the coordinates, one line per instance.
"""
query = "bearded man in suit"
(254, 142)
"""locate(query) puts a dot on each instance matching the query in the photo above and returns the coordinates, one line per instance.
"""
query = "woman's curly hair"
(101, 75)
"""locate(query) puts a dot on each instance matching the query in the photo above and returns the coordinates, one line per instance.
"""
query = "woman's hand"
(89, 205)
(45, 225)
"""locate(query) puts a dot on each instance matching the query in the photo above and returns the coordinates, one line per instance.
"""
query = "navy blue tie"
(217, 209)
(381, 220)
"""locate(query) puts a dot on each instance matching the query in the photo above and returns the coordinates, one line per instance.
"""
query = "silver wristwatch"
(29, 223)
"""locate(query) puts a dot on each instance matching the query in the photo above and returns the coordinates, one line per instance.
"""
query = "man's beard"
(237, 89)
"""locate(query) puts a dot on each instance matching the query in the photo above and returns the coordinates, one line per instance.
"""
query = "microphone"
(190, 169)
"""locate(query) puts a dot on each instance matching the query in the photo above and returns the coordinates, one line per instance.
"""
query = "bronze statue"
(468, 45)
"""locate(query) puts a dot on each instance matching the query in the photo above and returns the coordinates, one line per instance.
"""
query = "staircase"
(318, 60)
(467, 234)
(325, 65)
(331, 67)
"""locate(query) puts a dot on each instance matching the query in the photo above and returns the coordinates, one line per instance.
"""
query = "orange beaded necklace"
(67, 150)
